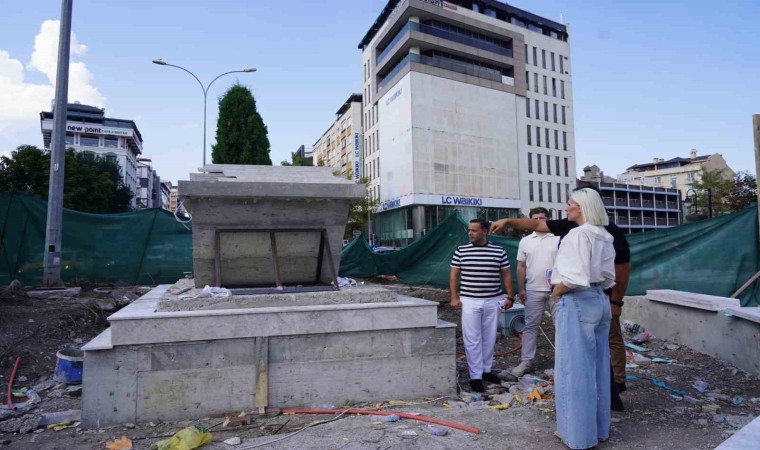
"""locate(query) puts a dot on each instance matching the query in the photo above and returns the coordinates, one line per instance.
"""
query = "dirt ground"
(36, 329)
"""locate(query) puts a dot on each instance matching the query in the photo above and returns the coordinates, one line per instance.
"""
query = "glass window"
(548, 165)
(70, 138)
(561, 64)
(527, 60)
(530, 190)
(546, 88)
(564, 140)
(543, 59)
(564, 122)
(567, 191)
(549, 192)
(111, 157)
(553, 67)
(527, 80)
(538, 141)
(673, 181)
(556, 146)
(546, 111)
(538, 161)
(535, 82)
(527, 108)
(554, 87)
(566, 173)
(555, 113)
(535, 56)
(557, 166)
(110, 141)
(530, 162)
(529, 136)
(562, 88)
(546, 135)
(537, 109)
(89, 140)
(540, 191)
(559, 194)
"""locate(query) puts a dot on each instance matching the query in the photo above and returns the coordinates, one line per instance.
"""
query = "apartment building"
(340, 145)
(677, 173)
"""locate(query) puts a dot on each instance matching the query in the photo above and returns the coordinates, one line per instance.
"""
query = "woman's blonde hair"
(592, 206)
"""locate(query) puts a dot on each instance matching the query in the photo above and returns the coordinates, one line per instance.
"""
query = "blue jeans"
(582, 367)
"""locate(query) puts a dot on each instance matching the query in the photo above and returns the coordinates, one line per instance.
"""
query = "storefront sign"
(357, 165)
(390, 204)
(462, 201)
(98, 130)
(393, 96)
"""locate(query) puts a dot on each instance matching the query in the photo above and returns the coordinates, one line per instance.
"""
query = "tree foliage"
(241, 136)
(727, 194)
(359, 211)
(296, 160)
(91, 184)
(743, 192)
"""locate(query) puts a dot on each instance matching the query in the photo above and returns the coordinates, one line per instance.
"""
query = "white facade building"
(340, 145)
(468, 108)
(87, 129)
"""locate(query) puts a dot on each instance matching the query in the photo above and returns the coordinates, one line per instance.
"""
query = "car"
(385, 250)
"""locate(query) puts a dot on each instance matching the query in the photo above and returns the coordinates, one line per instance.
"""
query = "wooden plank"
(261, 396)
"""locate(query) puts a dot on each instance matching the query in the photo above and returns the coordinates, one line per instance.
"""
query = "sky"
(651, 78)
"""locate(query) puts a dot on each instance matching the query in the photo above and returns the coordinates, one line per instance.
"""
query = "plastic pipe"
(383, 413)
(10, 383)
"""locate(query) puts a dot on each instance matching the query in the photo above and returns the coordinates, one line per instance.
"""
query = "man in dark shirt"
(616, 293)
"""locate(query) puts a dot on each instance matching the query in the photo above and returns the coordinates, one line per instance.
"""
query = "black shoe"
(491, 378)
(616, 404)
(620, 387)
(477, 386)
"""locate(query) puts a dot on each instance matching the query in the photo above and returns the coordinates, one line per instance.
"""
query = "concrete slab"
(731, 339)
(185, 301)
(692, 300)
(51, 293)
(748, 313)
(748, 438)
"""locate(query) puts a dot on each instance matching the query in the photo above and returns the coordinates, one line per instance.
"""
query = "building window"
(557, 167)
(530, 162)
(554, 87)
(546, 86)
(561, 64)
(535, 82)
(564, 122)
(549, 165)
(559, 193)
(527, 108)
(530, 190)
(555, 112)
(538, 141)
(538, 161)
(529, 136)
(543, 59)
(537, 109)
(562, 88)
(564, 140)
(567, 191)
(111, 157)
(546, 135)
(556, 142)
(535, 56)
(553, 67)
(549, 192)
(566, 174)
(673, 181)
(546, 111)
(89, 140)
(690, 177)
(527, 60)
(527, 80)
(69, 138)
(540, 191)
(110, 141)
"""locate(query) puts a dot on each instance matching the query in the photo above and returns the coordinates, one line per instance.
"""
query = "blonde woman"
(583, 269)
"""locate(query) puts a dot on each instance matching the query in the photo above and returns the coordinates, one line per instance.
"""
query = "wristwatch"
(620, 303)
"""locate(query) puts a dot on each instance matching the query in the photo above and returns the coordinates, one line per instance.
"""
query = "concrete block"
(347, 295)
(692, 300)
(745, 439)
(109, 387)
(731, 339)
(748, 313)
(53, 293)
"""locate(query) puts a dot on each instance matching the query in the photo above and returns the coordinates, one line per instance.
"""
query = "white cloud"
(22, 101)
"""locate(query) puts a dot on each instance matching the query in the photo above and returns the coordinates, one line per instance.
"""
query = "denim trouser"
(582, 367)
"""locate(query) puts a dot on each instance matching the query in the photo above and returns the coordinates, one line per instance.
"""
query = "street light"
(205, 89)
(691, 200)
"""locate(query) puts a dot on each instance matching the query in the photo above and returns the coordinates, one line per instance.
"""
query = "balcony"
(443, 34)
(635, 203)
(447, 64)
(649, 221)
(660, 204)
(635, 220)
(608, 201)
(647, 204)
(673, 205)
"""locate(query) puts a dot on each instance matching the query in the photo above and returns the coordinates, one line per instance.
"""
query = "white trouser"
(480, 320)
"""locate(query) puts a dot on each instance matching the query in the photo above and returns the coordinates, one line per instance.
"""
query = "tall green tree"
(241, 136)
(91, 183)
(743, 192)
(713, 189)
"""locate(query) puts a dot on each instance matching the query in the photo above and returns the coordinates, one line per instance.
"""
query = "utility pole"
(52, 258)
(756, 131)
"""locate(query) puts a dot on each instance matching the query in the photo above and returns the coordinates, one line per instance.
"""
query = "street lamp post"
(205, 89)
(691, 199)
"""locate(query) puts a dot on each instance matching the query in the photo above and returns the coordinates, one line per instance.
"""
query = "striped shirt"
(481, 267)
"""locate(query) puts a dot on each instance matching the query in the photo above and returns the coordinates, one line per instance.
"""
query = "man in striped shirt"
(477, 272)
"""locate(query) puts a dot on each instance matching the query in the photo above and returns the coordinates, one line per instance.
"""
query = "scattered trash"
(21, 379)
(68, 368)
(214, 292)
(409, 434)
(662, 384)
(662, 360)
(44, 385)
(102, 290)
(549, 373)
(388, 418)
(63, 425)
(73, 415)
(436, 431)
(74, 391)
(719, 418)
(642, 338)
(710, 408)
(123, 443)
(631, 327)
(721, 397)
(690, 399)
(233, 441)
(636, 347)
(343, 282)
(672, 346)
(638, 359)
(500, 407)
(700, 386)
(186, 439)
(676, 397)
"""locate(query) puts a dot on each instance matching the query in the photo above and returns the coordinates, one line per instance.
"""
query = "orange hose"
(10, 383)
(383, 413)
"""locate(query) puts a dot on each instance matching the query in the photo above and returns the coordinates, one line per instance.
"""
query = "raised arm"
(520, 224)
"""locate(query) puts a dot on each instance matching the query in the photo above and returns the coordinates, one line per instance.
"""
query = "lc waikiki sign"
(357, 165)
(461, 201)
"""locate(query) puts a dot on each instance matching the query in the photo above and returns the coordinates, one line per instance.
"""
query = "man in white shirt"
(535, 259)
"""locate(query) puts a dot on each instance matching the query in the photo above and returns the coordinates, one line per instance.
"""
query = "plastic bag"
(186, 439)
(214, 292)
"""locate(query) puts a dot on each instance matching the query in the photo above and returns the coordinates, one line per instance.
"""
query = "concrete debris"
(374, 436)
(71, 415)
(232, 441)
(700, 386)
(409, 434)
(738, 421)
(54, 293)
(672, 347)
(21, 425)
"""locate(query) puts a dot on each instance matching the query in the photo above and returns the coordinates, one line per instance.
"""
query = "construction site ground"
(654, 418)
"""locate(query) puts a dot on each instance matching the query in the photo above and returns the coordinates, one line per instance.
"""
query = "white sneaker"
(521, 369)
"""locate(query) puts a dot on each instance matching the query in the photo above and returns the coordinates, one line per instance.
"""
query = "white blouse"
(585, 256)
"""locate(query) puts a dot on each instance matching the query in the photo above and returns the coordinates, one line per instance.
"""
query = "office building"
(89, 130)
(467, 106)
(305, 153)
(340, 145)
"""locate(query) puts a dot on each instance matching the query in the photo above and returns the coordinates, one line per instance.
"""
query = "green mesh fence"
(714, 257)
(142, 247)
